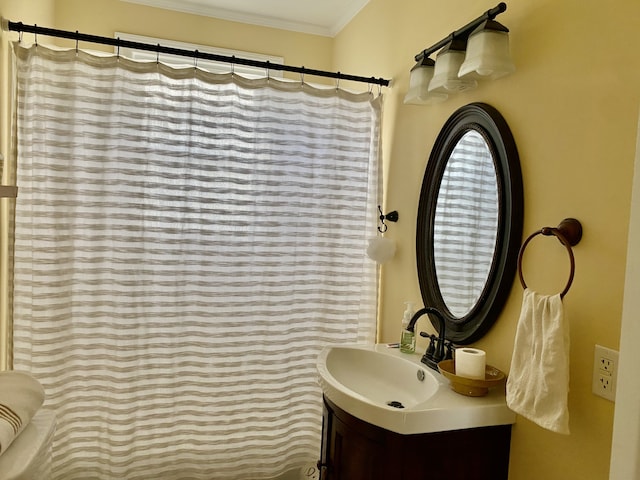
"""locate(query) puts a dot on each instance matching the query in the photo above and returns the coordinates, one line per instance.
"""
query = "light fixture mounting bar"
(464, 31)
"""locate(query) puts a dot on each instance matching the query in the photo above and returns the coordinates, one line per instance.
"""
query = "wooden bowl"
(469, 386)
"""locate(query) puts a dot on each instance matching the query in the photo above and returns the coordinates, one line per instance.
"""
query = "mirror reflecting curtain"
(466, 223)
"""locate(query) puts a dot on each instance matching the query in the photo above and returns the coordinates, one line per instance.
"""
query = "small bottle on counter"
(407, 338)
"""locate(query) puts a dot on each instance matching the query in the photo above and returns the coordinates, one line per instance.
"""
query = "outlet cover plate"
(605, 372)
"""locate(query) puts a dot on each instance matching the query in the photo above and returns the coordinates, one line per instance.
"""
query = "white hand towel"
(538, 383)
(21, 396)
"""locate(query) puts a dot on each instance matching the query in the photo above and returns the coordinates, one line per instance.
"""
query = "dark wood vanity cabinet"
(356, 450)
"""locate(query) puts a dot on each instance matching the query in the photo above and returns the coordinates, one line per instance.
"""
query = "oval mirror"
(470, 221)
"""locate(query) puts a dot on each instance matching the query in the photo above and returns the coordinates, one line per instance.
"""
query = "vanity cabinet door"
(355, 450)
(323, 463)
(471, 454)
(354, 456)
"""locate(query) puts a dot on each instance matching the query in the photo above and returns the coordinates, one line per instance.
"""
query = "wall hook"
(391, 216)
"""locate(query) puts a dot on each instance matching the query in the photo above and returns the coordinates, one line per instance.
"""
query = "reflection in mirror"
(469, 225)
(466, 223)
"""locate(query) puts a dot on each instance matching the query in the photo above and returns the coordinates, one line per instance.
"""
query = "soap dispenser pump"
(407, 337)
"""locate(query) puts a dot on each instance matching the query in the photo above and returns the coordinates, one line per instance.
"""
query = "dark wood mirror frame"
(492, 126)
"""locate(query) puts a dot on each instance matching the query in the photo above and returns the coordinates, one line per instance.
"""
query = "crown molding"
(346, 13)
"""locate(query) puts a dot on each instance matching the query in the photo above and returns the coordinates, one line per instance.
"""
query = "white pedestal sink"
(395, 391)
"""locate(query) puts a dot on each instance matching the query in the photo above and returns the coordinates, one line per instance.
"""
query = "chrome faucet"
(439, 349)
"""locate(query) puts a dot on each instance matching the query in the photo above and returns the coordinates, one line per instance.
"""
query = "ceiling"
(318, 17)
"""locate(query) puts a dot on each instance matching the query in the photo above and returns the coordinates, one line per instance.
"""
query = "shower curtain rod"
(8, 25)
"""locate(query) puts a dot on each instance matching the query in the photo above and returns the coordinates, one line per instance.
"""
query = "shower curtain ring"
(268, 70)
(195, 58)
(35, 34)
(76, 42)
(158, 54)
(233, 65)
(338, 81)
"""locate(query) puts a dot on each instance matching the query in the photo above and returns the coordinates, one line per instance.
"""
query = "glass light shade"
(445, 77)
(418, 93)
(488, 55)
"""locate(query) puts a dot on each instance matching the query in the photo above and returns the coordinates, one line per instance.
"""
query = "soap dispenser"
(407, 338)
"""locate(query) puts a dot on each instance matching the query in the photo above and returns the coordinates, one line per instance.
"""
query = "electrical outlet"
(605, 382)
(605, 363)
(605, 372)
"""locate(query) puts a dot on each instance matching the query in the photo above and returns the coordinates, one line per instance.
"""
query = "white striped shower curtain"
(185, 244)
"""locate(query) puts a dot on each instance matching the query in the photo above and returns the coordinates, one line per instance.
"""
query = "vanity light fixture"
(488, 52)
(419, 80)
(445, 77)
(477, 51)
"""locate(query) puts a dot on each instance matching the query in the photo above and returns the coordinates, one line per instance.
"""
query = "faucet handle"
(431, 349)
(450, 349)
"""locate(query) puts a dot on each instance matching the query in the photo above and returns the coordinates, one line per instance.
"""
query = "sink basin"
(395, 391)
(381, 379)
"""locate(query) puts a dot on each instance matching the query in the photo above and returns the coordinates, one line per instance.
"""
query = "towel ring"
(569, 232)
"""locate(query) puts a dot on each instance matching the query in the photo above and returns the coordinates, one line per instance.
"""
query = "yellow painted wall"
(104, 17)
(572, 106)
